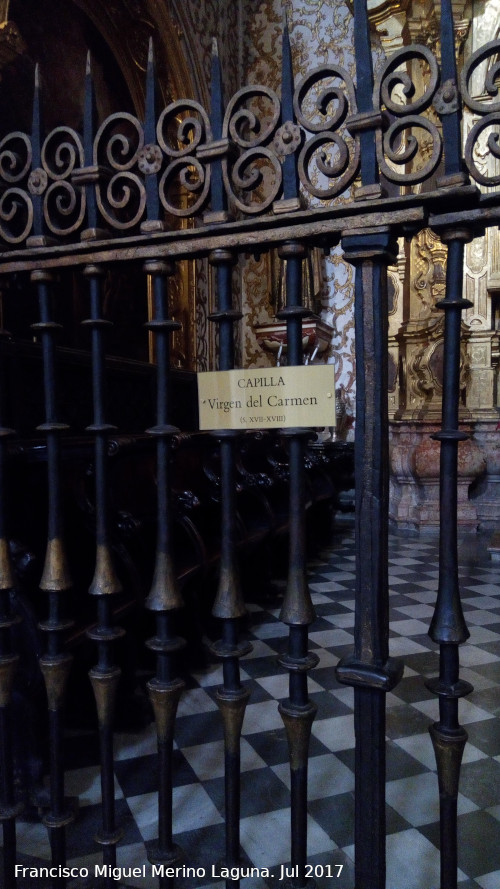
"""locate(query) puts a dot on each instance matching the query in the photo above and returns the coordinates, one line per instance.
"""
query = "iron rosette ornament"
(184, 134)
(482, 148)
(410, 147)
(323, 102)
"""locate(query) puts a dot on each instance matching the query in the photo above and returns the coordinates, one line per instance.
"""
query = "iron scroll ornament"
(325, 139)
(252, 164)
(16, 208)
(323, 112)
(122, 198)
(399, 145)
(483, 138)
(64, 203)
(183, 129)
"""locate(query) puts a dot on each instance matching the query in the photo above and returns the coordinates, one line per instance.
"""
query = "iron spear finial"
(88, 142)
(451, 117)
(218, 199)
(290, 178)
(150, 147)
(364, 91)
(36, 149)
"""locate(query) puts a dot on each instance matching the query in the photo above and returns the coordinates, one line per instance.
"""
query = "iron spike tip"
(37, 76)
(215, 47)
(88, 65)
(151, 53)
(284, 10)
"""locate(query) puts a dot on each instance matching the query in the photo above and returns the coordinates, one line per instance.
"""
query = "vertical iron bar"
(229, 605)
(55, 664)
(164, 597)
(9, 809)
(370, 670)
(105, 584)
(297, 611)
(448, 627)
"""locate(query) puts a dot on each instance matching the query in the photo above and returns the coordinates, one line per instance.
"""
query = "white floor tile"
(410, 627)
(412, 862)
(489, 881)
(261, 717)
(478, 617)
(86, 785)
(417, 799)
(472, 656)
(266, 838)
(481, 635)
(194, 701)
(339, 576)
(401, 645)
(129, 745)
(279, 686)
(345, 694)
(484, 599)
(415, 611)
(331, 638)
(259, 649)
(344, 621)
(192, 809)
(328, 586)
(336, 733)
(467, 712)
(207, 760)
(271, 630)
(327, 776)
(326, 658)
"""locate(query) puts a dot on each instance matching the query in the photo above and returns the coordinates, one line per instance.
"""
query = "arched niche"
(57, 35)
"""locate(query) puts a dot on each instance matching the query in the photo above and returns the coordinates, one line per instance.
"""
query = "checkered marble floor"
(412, 793)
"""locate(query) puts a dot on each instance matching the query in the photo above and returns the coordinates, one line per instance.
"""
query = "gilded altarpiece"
(416, 325)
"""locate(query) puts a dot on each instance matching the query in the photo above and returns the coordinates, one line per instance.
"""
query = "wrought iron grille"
(331, 160)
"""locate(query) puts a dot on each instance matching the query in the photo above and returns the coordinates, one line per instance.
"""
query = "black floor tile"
(478, 843)
(261, 791)
(480, 781)
(405, 720)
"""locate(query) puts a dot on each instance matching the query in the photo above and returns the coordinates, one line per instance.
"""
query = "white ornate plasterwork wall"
(320, 32)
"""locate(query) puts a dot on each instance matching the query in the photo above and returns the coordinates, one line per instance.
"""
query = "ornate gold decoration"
(429, 273)
(11, 41)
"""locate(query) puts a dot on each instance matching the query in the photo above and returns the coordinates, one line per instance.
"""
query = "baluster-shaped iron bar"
(229, 605)
(164, 598)
(369, 669)
(297, 611)
(55, 664)
(105, 584)
(448, 627)
(9, 809)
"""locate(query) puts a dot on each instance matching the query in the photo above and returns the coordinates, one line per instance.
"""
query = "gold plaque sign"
(267, 398)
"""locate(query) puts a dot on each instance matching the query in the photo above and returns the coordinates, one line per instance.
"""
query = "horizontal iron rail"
(406, 214)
